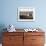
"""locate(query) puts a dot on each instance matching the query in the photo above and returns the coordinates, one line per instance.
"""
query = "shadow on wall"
(2, 26)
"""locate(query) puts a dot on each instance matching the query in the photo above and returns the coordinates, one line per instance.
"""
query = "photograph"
(26, 14)
(22, 23)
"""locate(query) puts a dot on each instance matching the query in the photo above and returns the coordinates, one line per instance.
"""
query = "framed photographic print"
(26, 14)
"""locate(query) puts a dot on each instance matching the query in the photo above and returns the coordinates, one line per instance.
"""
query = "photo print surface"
(26, 14)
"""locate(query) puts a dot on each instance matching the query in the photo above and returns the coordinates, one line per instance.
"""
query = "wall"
(9, 13)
